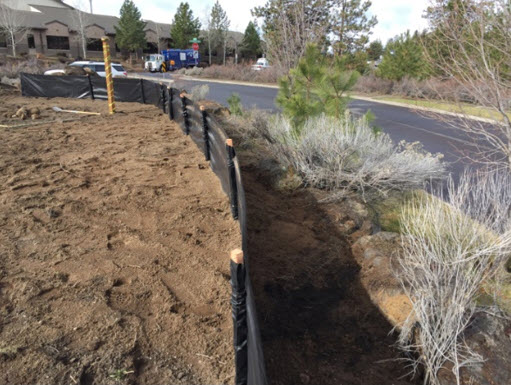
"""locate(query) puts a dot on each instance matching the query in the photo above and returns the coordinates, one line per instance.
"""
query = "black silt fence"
(211, 139)
(94, 87)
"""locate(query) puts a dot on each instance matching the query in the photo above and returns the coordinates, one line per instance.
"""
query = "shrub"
(345, 155)
(242, 73)
(371, 84)
(194, 71)
(199, 92)
(452, 245)
(234, 102)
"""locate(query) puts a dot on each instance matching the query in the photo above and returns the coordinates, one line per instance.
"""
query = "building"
(53, 28)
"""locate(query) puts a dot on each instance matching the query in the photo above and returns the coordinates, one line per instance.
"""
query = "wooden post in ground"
(109, 78)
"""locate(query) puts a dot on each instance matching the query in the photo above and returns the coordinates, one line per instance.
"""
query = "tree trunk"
(13, 44)
(225, 48)
(209, 49)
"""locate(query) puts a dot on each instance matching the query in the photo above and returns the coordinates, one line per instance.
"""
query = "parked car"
(96, 66)
(261, 64)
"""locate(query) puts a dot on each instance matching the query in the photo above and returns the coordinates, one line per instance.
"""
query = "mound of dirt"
(114, 241)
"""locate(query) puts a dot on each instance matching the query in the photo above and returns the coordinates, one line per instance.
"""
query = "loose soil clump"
(114, 241)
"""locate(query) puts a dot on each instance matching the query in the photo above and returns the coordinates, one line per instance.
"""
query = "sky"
(394, 16)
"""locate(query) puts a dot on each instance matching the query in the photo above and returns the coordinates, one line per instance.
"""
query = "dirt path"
(114, 240)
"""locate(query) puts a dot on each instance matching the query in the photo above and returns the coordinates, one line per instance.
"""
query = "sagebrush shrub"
(346, 154)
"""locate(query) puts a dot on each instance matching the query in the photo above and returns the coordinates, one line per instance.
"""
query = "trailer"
(172, 59)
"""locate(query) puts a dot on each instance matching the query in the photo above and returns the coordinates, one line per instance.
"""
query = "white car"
(261, 64)
(118, 70)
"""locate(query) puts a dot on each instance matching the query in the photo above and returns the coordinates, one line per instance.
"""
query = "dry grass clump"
(452, 246)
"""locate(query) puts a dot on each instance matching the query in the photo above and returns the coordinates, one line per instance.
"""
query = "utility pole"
(90, 2)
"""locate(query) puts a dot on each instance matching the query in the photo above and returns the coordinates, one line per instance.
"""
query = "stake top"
(229, 142)
(237, 256)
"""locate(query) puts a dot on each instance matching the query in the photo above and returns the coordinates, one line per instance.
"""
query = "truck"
(172, 59)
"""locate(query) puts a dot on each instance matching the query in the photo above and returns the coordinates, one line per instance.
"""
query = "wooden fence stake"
(239, 316)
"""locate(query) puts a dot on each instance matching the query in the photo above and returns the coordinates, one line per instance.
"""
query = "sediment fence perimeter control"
(208, 134)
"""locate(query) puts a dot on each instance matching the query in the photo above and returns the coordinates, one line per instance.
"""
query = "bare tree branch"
(472, 45)
(13, 25)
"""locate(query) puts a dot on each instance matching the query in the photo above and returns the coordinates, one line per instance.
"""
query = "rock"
(11, 82)
(34, 111)
(488, 336)
(22, 113)
(375, 255)
(357, 211)
(215, 108)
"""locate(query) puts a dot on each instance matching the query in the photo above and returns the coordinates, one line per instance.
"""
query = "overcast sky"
(394, 16)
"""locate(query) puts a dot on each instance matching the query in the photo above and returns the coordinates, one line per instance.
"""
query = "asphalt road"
(400, 123)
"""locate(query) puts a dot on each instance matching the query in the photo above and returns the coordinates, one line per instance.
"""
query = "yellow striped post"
(109, 78)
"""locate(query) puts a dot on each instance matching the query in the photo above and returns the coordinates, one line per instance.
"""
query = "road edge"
(355, 96)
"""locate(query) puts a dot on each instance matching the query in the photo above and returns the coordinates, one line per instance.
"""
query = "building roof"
(162, 28)
(68, 16)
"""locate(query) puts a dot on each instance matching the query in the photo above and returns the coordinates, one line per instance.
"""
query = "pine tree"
(129, 32)
(184, 27)
(404, 56)
(375, 50)
(315, 86)
(220, 26)
(251, 43)
(350, 25)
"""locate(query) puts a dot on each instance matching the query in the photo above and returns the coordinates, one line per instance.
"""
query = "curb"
(233, 82)
(425, 109)
(151, 78)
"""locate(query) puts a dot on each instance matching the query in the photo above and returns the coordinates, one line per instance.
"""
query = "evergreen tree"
(251, 43)
(350, 25)
(375, 50)
(129, 33)
(220, 26)
(184, 27)
(315, 86)
(404, 56)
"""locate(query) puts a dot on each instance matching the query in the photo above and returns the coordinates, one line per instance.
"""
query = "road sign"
(195, 40)
(195, 46)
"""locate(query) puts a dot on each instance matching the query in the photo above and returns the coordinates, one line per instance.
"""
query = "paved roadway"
(400, 123)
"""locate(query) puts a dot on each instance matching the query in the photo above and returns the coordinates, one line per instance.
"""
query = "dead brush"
(452, 246)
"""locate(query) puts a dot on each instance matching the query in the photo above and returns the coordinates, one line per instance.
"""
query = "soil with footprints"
(114, 242)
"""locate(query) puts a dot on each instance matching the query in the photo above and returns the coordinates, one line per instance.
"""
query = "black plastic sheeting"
(250, 370)
(83, 87)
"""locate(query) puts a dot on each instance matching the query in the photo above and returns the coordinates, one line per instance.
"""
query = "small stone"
(180, 375)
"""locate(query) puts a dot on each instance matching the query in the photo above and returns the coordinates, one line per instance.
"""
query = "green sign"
(195, 40)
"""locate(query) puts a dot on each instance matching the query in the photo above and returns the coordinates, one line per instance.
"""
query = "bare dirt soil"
(114, 241)
(318, 323)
